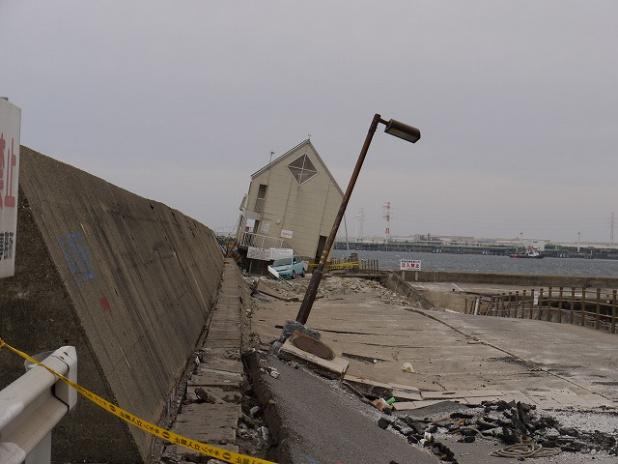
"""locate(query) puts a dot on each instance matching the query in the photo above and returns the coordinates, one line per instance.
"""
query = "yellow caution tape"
(171, 437)
(338, 266)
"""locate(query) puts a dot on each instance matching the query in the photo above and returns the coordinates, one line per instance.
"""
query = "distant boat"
(529, 253)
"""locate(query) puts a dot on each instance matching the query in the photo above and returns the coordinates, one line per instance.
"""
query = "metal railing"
(586, 307)
(352, 265)
(249, 239)
(31, 407)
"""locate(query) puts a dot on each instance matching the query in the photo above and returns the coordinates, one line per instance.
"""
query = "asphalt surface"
(319, 422)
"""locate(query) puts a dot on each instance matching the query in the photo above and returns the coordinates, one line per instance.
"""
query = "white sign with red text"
(10, 123)
(410, 265)
(269, 254)
(262, 254)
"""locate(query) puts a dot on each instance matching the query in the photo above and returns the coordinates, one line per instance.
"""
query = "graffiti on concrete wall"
(105, 304)
(77, 255)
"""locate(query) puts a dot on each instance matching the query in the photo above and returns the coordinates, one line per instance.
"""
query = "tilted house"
(292, 203)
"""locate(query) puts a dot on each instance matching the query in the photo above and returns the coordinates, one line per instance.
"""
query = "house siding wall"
(308, 210)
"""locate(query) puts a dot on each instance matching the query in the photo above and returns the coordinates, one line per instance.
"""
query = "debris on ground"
(407, 367)
(519, 430)
(515, 430)
(333, 287)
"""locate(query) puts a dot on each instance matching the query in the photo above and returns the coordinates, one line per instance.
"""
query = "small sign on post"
(410, 265)
(10, 122)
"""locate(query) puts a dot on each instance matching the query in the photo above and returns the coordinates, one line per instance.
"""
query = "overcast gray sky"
(181, 101)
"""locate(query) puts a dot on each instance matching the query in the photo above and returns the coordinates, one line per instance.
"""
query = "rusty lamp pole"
(396, 128)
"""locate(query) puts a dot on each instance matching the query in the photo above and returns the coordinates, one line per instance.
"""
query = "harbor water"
(490, 263)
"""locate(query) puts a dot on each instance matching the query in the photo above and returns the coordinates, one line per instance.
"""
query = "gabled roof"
(294, 151)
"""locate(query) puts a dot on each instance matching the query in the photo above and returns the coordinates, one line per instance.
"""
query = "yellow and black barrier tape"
(171, 437)
(338, 265)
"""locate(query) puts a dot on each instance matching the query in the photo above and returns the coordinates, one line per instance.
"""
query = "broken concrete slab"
(405, 392)
(369, 387)
(225, 337)
(213, 424)
(224, 359)
(206, 377)
(226, 352)
(434, 409)
(335, 368)
(406, 396)
(411, 405)
(433, 395)
(219, 395)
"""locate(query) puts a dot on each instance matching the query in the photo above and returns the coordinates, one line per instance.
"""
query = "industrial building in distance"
(472, 245)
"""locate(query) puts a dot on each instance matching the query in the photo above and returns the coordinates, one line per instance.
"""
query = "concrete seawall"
(538, 280)
(128, 281)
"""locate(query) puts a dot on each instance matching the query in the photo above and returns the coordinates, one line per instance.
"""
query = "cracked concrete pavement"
(469, 359)
(554, 366)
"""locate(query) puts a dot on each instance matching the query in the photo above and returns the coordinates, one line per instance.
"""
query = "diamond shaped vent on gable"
(302, 169)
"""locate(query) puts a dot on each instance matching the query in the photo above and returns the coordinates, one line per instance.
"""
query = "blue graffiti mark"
(67, 255)
(77, 255)
(83, 252)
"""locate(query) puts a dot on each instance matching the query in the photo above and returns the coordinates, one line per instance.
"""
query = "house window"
(302, 169)
(260, 201)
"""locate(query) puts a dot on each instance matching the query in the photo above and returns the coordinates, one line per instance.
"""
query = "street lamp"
(396, 128)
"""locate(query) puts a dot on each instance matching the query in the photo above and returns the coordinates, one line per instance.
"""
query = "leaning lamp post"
(396, 128)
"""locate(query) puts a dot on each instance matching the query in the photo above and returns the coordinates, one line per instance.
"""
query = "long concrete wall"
(538, 280)
(128, 281)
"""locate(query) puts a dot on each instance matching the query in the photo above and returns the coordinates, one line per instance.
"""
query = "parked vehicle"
(288, 268)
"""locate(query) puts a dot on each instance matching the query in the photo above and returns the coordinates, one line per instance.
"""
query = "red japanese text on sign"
(8, 161)
(10, 122)
(410, 265)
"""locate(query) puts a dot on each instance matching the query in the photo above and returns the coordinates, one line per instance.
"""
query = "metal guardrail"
(31, 407)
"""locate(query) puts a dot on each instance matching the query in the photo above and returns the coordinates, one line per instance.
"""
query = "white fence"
(31, 406)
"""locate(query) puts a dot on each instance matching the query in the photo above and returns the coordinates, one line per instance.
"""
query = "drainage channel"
(215, 402)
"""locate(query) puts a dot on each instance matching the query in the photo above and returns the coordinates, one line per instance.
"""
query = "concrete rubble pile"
(516, 430)
(330, 287)
(242, 431)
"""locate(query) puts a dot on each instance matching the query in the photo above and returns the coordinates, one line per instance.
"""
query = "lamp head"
(403, 131)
